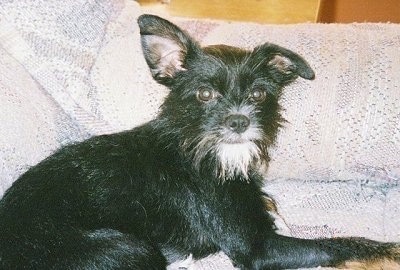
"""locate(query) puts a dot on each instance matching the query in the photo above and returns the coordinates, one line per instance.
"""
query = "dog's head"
(223, 105)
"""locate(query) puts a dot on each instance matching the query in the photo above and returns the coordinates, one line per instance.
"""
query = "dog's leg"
(110, 249)
(280, 223)
(73, 249)
(281, 252)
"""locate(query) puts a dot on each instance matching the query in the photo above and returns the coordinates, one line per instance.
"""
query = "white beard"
(236, 158)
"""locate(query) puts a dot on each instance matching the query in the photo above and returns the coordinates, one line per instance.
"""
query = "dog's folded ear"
(283, 64)
(165, 46)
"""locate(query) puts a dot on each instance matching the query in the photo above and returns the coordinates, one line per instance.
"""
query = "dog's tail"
(347, 253)
(360, 253)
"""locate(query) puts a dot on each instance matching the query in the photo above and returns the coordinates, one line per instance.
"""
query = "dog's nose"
(237, 122)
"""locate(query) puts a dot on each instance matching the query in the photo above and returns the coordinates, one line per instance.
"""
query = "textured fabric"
(32, 124)
(83, 54)
(82, 73)
(70, 71)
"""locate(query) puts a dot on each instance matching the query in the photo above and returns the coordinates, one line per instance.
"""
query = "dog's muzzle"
(237, 123)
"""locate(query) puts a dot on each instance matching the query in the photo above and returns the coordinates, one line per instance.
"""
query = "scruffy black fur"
(183, 183)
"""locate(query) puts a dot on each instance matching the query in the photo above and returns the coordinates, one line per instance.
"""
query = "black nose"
(237, 123)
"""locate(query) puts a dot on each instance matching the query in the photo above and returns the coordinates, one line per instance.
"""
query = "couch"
(71, 70)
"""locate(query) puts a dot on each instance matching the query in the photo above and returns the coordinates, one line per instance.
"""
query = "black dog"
(183, 183)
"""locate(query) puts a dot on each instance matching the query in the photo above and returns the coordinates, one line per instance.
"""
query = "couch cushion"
(68, 73)
(32, 124)
(86, 56)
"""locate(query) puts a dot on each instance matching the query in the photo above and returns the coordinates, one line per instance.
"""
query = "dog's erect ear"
(284, 64)
(165, 46)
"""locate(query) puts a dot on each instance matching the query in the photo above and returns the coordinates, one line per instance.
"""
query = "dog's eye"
(258, 95)
(205, 94)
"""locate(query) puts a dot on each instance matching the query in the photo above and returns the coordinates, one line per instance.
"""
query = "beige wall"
(346, 11)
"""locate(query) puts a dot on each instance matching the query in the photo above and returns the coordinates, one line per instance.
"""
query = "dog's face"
(223, 105)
